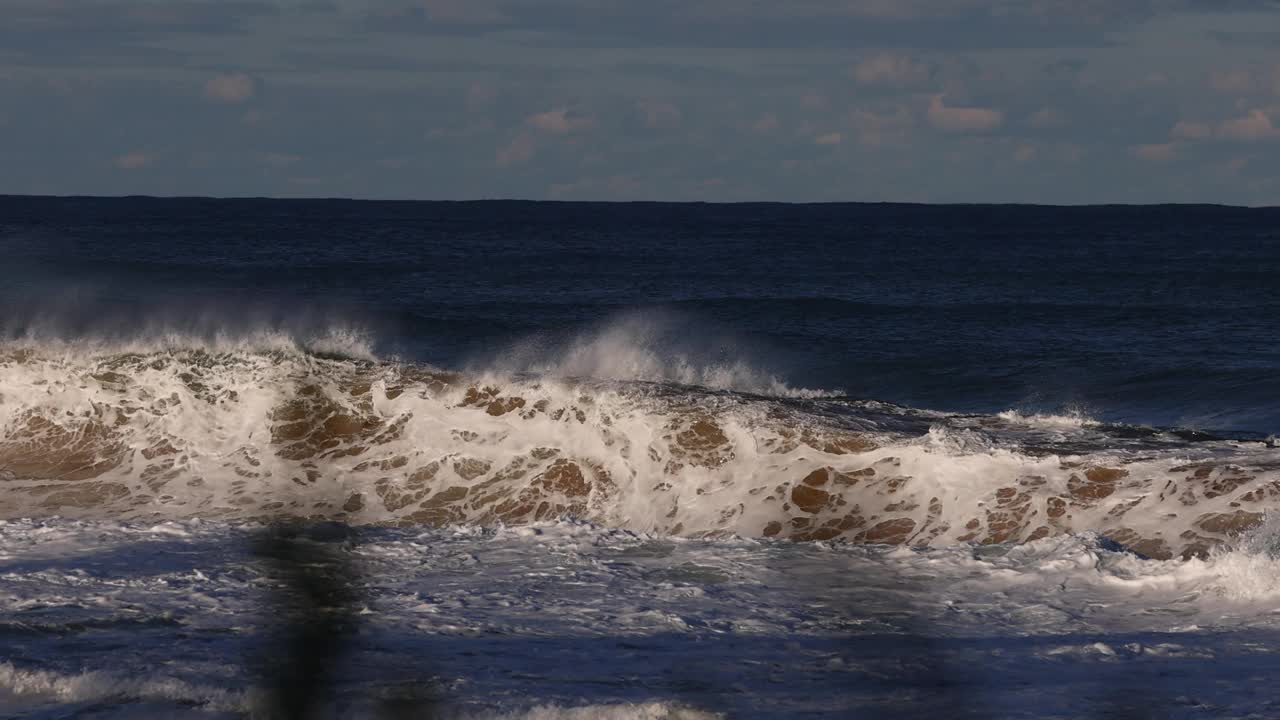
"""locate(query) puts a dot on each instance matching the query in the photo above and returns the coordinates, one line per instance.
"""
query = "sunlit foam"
(181, 433)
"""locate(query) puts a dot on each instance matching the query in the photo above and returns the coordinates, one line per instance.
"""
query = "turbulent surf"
(171, 432)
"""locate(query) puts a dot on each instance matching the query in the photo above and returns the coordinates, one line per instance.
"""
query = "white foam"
(37, 685)
(616, 606)
(33, 688)
(639, 711)
(218, 414)
(1056, 421)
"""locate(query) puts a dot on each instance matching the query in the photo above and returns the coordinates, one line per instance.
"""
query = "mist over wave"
(93, 321)
(654, 346)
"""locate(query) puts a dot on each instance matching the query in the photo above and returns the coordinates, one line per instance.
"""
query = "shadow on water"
(317, 599)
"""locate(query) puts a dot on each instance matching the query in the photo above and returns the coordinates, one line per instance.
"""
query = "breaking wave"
(605, 430)
(1069, 419)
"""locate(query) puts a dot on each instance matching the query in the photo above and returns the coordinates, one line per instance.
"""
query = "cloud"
(1065, 67)
(1238, 38)
(560, 122)
(454, 17)
(463, 12)
(1236, 81)
(894, 70)
(520, 150)
(131, 16)
(1091, 12)
(614, 187)
(963, 119)
(480, 96)
(814, 101)
(1155, 152)
(1047, 118)
(876, 129)
(1188, 130)
(798, 24)
(1234, 165)
(230, 88)
(133, 161)
(767, 122)
(659, 114)
(1254, 126)
(280, 159)
(500, 84)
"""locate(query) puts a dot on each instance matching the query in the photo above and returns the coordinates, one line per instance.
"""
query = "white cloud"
(1234, 165)
(463, 12)
(1154, 152)
(1091, 12)
(963, 119)
(1254, 126)
(480, 96)
(280, 159)
(1188, 130)
(659, 114)
(133, 161)
(875, 129)
(612, 187)
(890, 70)
(767, 122)
(561, 122)
(520, 150)
(230, 88)
(1046, 118)
(814, 101)
(1232, 81)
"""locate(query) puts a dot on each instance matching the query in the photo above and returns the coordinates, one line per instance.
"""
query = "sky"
(1040, 101)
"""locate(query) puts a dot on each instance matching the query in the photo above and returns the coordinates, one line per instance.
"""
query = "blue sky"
(1049, 101)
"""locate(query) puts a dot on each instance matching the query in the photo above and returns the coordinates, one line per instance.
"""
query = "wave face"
(214, 432)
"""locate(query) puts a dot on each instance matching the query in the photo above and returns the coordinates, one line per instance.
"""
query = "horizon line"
(906, 203)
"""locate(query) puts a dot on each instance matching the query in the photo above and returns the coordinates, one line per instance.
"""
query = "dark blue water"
(1156, 315)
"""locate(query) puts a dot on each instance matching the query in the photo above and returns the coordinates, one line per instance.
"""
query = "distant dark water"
(1158, 315)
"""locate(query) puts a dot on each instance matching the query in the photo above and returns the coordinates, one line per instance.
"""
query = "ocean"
(578, 460)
